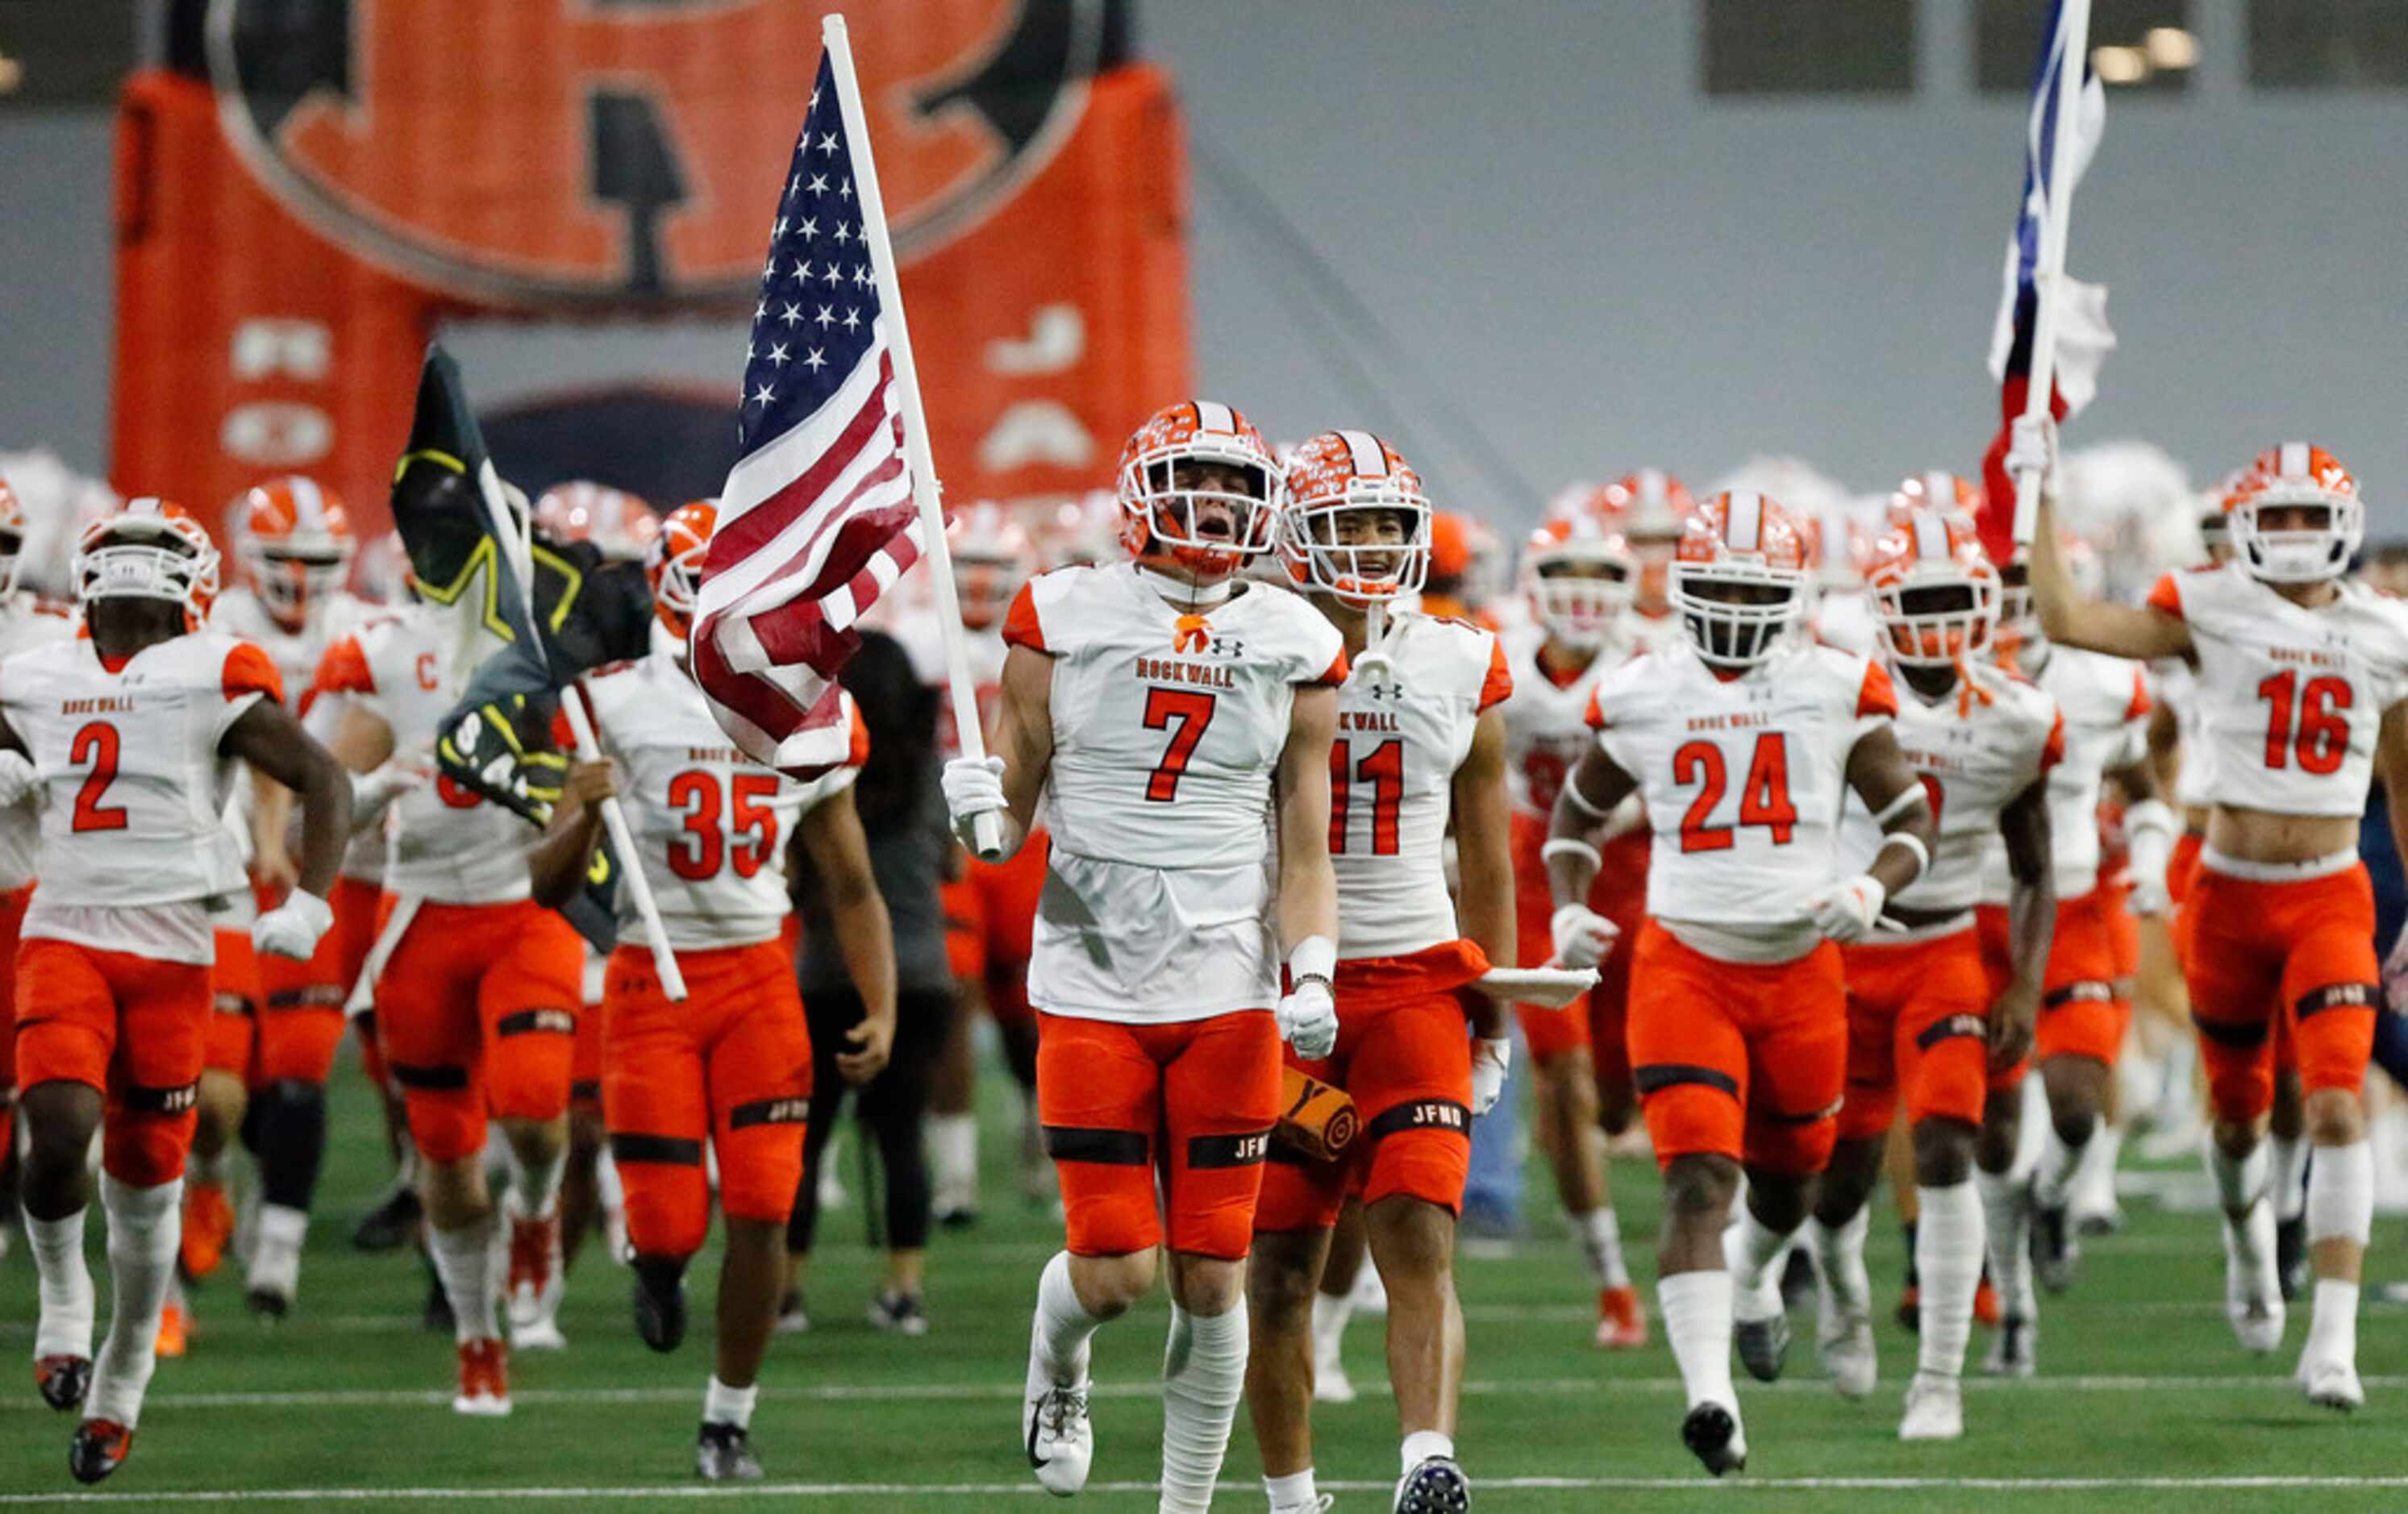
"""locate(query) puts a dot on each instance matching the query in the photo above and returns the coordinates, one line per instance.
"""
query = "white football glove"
(2031, 446)
(1583, 937)
(1846, 911)
(1489, 1061)
(18, 778)
(372, 791)
(973, 787)
(1308, 1012)
(293, 928)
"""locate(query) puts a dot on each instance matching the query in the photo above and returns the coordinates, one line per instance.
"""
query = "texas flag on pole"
(2053, 162)
(817, 517)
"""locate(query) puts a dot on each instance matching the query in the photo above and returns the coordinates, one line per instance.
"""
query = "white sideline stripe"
(869, 1392)
(664, 1492)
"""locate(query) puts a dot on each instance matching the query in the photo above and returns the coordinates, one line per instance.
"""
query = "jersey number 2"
(2322, 740)
(698, 853)
(1184, 714)
(96, 744)
(1383, 768)
(1763, 800)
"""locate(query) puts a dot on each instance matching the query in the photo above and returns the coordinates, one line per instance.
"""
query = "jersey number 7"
(1184, 714)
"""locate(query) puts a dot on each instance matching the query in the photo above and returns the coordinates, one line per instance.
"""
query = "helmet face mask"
(1579, 597)
(2295, 516)
(152, 550)
(1739, 579)
(673, 562)
(1206, 509)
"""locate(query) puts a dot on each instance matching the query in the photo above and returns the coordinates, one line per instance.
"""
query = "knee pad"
(528, 1065)
(1687, 1118)
(144, 1147)
(291, 1123)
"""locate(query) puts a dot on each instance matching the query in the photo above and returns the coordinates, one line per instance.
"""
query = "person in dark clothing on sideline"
(910, 844)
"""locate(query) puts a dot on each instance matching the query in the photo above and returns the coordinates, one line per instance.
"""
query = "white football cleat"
(2331, 1381)
(1059, 1436)
(2253, 1297)
(1844, 1342)
(1935, 1410)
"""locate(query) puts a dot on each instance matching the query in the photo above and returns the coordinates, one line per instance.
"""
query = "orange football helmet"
(1839, 548)
(2296, 475)
(1651, 509)
(1936, 590)
(293, 540)
(993, 556)
(673, 563)
(1579, 574)
(12, 536)
(1169, 511)
(622, 524)
(1739, 577)
(147, 548)
(1336, 478)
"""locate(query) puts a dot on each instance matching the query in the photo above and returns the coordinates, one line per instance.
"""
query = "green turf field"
(2145, 1404)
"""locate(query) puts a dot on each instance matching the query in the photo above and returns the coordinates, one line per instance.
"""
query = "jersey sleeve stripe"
(1877, 696)
(2166, 595)
(250, 671)
(2142, 703)
(1499, 685)
(1021, 627)
(343, 669)
(1334, 675)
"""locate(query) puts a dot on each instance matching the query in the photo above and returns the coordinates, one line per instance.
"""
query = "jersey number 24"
(1763, 797)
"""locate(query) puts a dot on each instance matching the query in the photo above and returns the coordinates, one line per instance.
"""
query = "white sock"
(1293, 1492)
(1064, 1326)
(2289, 1174)
(1422, 1445)
(1749, 1249)
(276, 1247)
(1948, 1262)
(1839, 1257)
(2339, 1200)
(2237, 1182)
(1600, 1238)
(538, 1187)
(722, 1405)
(2093, 1190)
(1203, 1373)
(953, 1155)
(1697, 1321)
(1329, 1316)
(2332, 1328)
(2006, 1213)
(145, 1226)
(463, 1259)
(2054, 1177)
(66, 1310)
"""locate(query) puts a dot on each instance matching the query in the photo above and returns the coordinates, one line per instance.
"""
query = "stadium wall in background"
(1602, 264)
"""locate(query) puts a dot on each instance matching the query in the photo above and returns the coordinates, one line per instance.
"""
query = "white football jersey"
(2104, 703)
(1168, 729)
(711, 825)
(445, 843)
(1975, 756)
(2289, 699)
(1742, 779)
(238, 612)
(130, 768)
(2175, 684)
(1403, 732)
(1546, 722)
(1845, 619)
(25, 621)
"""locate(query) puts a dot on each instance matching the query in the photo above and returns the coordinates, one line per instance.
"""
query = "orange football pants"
(133, 1027)
(477, 1008)
(1597, 1018)
(2083, 1013)
(301, 1014)
(1742, 1059)
(2262, 957)
(732, 1065)
(1190, 1103)
(1918, 1022)
(1404, 1055)
(2182, 872)
(12, 920)
(990, 924)
(233, 1002)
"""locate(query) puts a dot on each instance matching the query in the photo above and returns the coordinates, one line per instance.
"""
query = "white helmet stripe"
(1212, 415)
(1744, 531)
(1655, 487)
(1370, 458)
(1930, 537)
(308, 504)
(2292, 462)
(1939, 490)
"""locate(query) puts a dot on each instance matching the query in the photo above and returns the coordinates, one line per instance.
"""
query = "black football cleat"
(1713, 1436)
(2054, 1253)
(660, 1303)
(392, 1224)
(62, 1381)
(99, 1449)
(2291, 1256)
(723, 1453)
(1763, 1346)
(1436, 1485)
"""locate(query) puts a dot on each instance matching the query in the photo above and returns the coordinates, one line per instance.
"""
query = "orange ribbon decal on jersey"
(1192, 635)
(1968, 691)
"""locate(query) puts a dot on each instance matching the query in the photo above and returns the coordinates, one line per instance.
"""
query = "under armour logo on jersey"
(1384, 691)
(1227, 647)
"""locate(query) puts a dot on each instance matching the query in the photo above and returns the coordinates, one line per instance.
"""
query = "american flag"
(816, 519)
(2083, 337)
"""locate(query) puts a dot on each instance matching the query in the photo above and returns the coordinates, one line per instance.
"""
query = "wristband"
(2150, 815)
(1567, 846)
(1315, 956)
(1907, 799)
(1912, 843)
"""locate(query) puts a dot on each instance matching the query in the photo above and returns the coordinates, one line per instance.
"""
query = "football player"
(1170, 708)
(1921, 1019)
(127, 733)
(26, 620)
(1420, 748)
(1579, 575)
(1741, 739)
(2302, 674)
(476, 987)
(1649, 509)
(730, 1067)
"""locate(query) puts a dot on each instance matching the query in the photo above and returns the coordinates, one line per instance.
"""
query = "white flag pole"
(520, 563)
(2048, 273)
(925, 491)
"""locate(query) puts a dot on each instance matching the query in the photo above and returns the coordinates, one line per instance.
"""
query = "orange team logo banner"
(310, 188)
